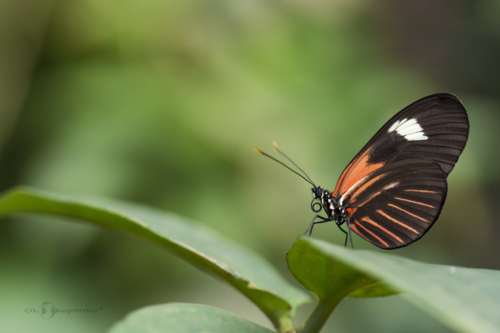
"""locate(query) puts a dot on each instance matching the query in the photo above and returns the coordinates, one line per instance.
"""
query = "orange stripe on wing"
(356, 170)
(407, 212)
(415, 202)
(396, 221)
(360, 190)
(371, 233)
(388, 187)
(369, 220)
(368, 199)
(355, 229)
(351, 210)
(422, 191)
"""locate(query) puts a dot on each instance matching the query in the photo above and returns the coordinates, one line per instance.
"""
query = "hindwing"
(396, 204)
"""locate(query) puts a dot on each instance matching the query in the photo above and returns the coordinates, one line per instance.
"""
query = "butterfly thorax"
(330, 205)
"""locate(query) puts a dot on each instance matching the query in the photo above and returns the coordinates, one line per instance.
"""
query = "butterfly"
(394, 189)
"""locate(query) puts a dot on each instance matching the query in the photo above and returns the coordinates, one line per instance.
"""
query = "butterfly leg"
(310, 225)
(350, 236)
(313, 222)
(346, 235)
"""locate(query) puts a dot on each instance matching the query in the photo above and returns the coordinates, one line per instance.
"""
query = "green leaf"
(185, 318)
(376, 289)
(243, 269)
(331, 281)
(467, 300)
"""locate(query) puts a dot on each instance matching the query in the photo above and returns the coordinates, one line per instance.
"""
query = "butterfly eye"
(319, 192)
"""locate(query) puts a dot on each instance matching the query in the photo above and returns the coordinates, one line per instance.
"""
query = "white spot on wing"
(416, 137)
(388, 187)
(402, 121)
(410, 129)
(406, 124)
(394, 126)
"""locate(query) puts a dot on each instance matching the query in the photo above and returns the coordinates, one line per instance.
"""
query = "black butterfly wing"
(435, 127)
(397, 204)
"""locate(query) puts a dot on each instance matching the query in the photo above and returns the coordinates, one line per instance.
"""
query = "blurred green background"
(161, 102)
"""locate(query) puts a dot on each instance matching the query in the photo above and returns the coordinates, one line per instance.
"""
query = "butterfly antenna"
(288, 158)
(283, 164)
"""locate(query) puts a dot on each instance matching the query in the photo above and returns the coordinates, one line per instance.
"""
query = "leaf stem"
(285, 324)
(328, 303)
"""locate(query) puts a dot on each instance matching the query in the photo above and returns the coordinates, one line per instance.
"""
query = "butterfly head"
(322, 199)
(317, 192)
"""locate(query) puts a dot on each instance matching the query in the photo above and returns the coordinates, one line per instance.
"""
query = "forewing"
(397, 204)
(435, 127)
